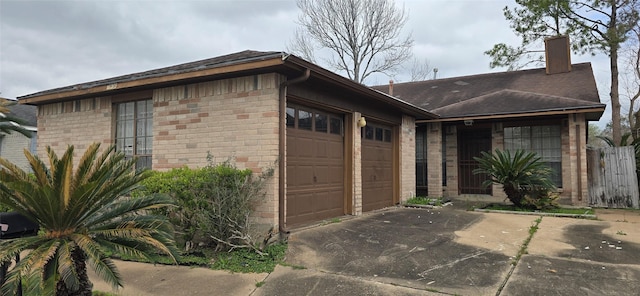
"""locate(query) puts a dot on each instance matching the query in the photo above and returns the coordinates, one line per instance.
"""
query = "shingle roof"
(511, 92)
(234, 58)
(28, 114)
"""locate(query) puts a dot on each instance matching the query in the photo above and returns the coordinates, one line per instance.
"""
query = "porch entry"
(471, 142)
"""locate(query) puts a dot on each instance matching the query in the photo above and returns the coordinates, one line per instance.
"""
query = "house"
(339, 147)
(544, 110)
(12, 145)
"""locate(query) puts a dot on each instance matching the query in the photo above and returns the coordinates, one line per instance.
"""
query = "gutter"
(282, 142)
(588, 109)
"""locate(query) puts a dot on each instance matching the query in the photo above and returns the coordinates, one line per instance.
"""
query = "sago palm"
(83, 213)
(519, 174)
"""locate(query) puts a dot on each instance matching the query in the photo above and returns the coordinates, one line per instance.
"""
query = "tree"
(593, 26)
(632, 84)
(363, 36)
(420, 70)
(81, 216)
(525, 179)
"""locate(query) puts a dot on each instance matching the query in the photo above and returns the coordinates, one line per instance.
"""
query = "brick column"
(357, 164)
(407, 158)
(434, 159)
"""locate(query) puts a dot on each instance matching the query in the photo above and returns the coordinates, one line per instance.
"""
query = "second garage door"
(377, 167)
(315, 165)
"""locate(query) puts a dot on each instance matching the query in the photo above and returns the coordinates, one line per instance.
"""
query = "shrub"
(215, 203)
(523, 176)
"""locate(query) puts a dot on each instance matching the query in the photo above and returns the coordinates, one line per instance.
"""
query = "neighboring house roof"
(505, 94)
(233, 65)
(28, 114)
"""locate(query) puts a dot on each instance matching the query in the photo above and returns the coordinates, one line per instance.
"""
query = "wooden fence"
(612, 177)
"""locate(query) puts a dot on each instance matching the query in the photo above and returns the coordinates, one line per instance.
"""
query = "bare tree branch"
(364, 36)
(420, 70)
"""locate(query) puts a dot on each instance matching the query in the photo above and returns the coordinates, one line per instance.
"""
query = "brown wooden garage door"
(377, 167)
(315, 165)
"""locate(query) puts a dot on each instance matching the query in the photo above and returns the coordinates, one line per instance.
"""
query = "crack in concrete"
(519, 255)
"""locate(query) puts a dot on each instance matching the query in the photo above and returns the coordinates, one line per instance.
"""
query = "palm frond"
(67, 267)
(81, 213)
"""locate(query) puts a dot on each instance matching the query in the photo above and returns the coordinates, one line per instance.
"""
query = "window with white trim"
(134, 131)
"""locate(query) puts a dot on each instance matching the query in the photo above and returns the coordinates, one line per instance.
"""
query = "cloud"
(49, 44)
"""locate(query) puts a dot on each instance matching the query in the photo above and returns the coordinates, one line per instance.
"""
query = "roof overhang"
(592, 113)
(115, 85)
(288, 65)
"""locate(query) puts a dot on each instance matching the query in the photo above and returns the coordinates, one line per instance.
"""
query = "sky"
(48, 44)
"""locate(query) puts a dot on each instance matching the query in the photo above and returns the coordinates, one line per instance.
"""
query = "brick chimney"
(557, 54)
(391, 87)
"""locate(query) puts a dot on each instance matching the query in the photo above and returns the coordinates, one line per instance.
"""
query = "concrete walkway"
(428, 252)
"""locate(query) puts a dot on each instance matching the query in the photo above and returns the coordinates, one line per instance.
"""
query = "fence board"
(613, 182)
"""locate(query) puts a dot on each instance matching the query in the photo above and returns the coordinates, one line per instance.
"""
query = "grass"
(523, 249)
(424, 200)
(246, 261)
(575, 211)
(239, 260)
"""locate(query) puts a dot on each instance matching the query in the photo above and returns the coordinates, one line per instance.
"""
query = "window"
(543, 140)
(134, 131)
(335, 125)
(313, 120)
(321, 122)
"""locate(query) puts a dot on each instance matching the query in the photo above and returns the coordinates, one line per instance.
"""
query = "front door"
(471, 143)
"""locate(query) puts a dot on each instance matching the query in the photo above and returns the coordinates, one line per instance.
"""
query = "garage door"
(315, 165)
(377, 167)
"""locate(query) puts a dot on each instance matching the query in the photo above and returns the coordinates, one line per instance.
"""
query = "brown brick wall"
(77, 123)
(231, 119)
(407, 158)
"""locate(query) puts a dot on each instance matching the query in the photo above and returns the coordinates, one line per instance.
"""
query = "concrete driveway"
(446, 251)
(450, 251)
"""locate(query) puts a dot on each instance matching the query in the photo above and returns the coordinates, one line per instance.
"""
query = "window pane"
(149, 125)
(128, 146)
(149, 145)
(321, 123)
(128, 128)
(291, 117)
(335, 126)
(379, 135)
(368, 132)
(140, 127)
(304, 120)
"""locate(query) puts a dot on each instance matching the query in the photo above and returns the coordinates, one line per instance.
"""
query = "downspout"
(282, 142)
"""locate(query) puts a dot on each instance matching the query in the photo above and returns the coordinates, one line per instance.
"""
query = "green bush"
(525, 179)
(214, 203)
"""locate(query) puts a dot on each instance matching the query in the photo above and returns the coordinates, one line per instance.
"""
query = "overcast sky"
(49, 44)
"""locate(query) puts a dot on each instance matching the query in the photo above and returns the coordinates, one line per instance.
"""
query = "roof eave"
(593, 113)
(326, 75)
(151, 82)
